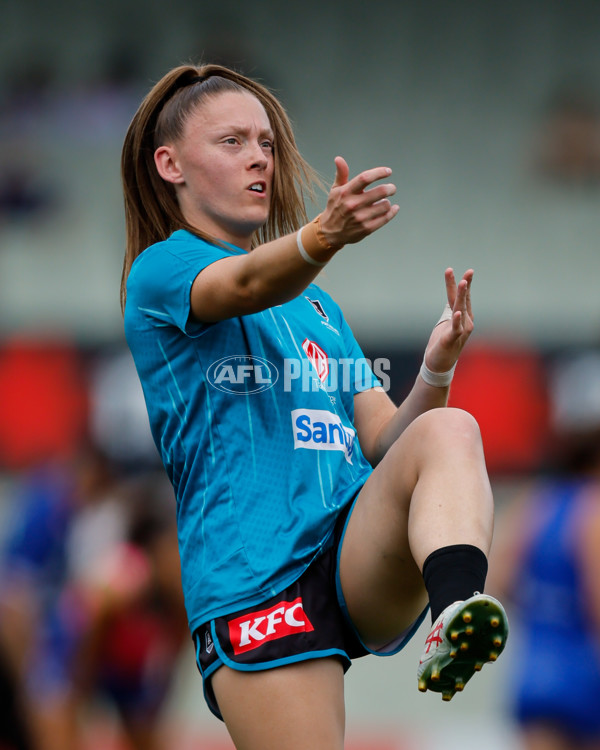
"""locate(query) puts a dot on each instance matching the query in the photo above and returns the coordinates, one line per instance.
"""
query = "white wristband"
(304, 254)
(436, 379)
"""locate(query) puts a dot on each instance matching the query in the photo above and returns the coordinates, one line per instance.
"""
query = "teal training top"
(253, 419)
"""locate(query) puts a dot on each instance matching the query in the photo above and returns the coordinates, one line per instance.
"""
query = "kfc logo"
(318, 358)
(251, 631)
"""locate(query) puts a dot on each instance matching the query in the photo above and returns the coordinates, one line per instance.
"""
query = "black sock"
(453, 574)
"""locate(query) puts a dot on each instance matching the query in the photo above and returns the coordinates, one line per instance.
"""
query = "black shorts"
(307, 620)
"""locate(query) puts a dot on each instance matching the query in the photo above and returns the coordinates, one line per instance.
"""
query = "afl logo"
(242, 374)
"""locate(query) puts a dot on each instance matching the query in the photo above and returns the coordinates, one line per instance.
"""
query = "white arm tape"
(436, 379)
(303, 252)
(446, 314)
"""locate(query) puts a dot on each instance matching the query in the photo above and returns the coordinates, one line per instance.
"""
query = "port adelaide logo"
(242, 374)
(318, 307)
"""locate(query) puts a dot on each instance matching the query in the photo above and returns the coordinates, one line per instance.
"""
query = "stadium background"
(454, 96)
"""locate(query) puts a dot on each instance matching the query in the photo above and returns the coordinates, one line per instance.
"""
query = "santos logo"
(318, 429)
(242, 374)
(285, 618)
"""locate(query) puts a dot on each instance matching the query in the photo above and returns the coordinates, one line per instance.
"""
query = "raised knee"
(449, 423)
(460, 419)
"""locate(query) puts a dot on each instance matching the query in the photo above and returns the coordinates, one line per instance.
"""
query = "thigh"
(292, 707)
(381, 583)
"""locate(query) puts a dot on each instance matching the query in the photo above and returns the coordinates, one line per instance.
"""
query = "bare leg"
(430, 490)
(293, 707)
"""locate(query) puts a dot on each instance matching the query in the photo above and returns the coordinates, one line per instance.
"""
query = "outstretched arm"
(277, 271)
(378, 422)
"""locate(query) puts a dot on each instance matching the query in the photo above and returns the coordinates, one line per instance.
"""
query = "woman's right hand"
(355, 210)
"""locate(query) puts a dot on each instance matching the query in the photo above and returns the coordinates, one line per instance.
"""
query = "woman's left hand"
(454, 328)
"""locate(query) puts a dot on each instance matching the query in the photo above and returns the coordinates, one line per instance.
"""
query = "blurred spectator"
(546, 557)
(137, 625)
(32, 575)
(568, 149)
(91, 609)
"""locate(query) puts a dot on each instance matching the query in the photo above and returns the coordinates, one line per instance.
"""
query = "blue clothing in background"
(558, 666)
(35, 544)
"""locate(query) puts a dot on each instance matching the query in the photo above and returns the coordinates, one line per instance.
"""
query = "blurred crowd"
(90, 602)
(91, 611)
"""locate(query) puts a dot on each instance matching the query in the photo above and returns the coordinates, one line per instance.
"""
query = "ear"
(167, 164)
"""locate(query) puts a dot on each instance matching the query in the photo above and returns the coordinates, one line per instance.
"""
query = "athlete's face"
(222, 166)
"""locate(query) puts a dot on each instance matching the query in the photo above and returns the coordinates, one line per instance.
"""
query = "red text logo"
(250, 631)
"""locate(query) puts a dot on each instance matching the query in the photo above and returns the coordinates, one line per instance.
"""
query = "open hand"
(355, 210)
(451, 333)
